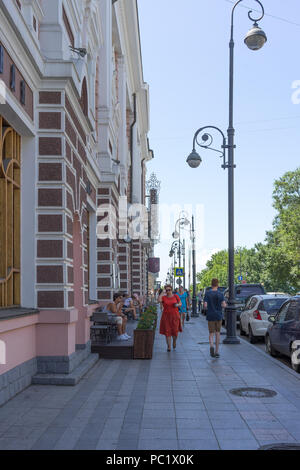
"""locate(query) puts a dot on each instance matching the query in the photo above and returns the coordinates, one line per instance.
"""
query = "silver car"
(254, 318)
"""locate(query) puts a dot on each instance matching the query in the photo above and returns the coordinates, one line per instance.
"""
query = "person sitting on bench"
(115, 308)
(128, 306)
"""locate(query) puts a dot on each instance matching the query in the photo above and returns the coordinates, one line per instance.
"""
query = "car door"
(250, 305)
(288, 332)
(275, 331)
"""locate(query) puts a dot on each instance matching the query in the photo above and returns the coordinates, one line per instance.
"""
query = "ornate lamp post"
(176, 248)
(255, 40)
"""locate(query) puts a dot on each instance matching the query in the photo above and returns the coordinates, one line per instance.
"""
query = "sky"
(186, 60)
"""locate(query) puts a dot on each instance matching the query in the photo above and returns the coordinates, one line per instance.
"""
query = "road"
(261, 345)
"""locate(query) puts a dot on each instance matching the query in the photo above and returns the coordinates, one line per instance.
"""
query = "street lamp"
(181, 222)
(255, 39)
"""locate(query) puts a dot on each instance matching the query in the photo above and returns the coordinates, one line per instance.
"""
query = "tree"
(275, 263)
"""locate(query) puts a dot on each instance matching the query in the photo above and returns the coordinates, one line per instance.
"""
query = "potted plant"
(144, 335)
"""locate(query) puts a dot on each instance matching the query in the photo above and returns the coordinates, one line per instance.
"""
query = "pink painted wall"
(19, 336)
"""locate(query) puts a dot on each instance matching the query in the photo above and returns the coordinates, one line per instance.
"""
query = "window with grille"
(10, 176)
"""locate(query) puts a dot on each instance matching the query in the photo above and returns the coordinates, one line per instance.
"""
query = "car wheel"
(269, 348)
(242, 332)
(295, 365)
(252, 338)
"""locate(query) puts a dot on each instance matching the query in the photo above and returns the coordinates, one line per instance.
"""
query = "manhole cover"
(280, 447)
(253, 392)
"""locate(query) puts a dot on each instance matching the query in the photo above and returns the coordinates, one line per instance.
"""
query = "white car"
(254, 318)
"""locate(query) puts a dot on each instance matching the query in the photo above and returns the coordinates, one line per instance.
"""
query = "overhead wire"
(266, 14)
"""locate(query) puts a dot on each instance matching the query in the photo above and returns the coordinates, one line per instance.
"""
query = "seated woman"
(115, 308)
(128, 306)
(137, 302)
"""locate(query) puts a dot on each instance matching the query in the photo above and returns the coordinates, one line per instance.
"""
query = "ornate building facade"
(74, 117)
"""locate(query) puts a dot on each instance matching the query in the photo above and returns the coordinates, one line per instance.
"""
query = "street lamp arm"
(207, 141)
(206, 136)
(249, 14)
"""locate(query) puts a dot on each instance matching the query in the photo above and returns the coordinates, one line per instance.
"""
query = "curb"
(272, 359)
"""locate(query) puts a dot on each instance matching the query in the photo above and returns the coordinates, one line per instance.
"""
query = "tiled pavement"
(179, 400)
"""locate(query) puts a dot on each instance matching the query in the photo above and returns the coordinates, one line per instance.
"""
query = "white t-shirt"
(127, 302)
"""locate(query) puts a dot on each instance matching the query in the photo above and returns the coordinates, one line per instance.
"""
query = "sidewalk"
(179, 400)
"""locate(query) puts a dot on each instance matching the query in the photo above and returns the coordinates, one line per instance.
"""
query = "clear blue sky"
(186, 58)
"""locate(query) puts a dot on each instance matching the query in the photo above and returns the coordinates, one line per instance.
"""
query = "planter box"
(143, 344)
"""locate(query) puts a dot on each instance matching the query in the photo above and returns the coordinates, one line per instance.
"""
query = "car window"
(271, 306)
(292, 312)
(282, 313)
(243, 292)
(251, 303)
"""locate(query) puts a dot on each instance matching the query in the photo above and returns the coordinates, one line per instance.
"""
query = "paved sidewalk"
(179, 400)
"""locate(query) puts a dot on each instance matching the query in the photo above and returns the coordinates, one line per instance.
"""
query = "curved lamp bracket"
(255, 20)
(207, 141)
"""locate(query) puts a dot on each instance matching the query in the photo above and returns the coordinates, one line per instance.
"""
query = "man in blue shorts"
(214, 302)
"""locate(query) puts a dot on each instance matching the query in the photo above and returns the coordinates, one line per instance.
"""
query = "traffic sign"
(179, 272)
(240, 278)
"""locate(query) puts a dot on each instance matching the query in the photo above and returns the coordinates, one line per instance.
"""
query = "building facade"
(74, 116)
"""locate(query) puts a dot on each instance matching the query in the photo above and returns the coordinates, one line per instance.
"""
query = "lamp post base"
(194, 308)
(230, 313)
(231, 340)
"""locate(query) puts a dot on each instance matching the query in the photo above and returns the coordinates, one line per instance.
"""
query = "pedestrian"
(115, 308)
(184, 298)
(200, 298)
(189, 303)
(170, 323)
(213, 303)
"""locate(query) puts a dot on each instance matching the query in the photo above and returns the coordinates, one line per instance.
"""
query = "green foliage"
(276, 263)
(148, 319)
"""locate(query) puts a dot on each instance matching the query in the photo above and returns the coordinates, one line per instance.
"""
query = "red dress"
(170, 323)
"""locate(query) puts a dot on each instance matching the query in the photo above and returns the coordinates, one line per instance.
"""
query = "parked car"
(254, 318)
(284, 331)
(242, 293)
(206, 289)
(278, 294)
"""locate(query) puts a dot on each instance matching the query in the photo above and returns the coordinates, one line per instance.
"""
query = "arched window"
(84, 97)
(10, 159)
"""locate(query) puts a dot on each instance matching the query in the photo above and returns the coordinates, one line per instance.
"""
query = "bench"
(104, 327)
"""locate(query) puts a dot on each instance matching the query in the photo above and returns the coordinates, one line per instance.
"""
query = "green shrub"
(147, 321)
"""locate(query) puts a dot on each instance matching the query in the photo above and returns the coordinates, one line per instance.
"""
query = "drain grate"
(251, 392)
(280, 446)
(203, 342)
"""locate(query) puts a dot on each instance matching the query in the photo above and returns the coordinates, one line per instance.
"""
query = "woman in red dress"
(170, 323)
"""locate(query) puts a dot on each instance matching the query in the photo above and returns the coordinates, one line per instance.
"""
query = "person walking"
(184, 298)
(170, 323)
(200, 298)
(213, 303)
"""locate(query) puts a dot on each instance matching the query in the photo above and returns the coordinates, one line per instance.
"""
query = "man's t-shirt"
(214, 301)
(127, 302)
(183, 298)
